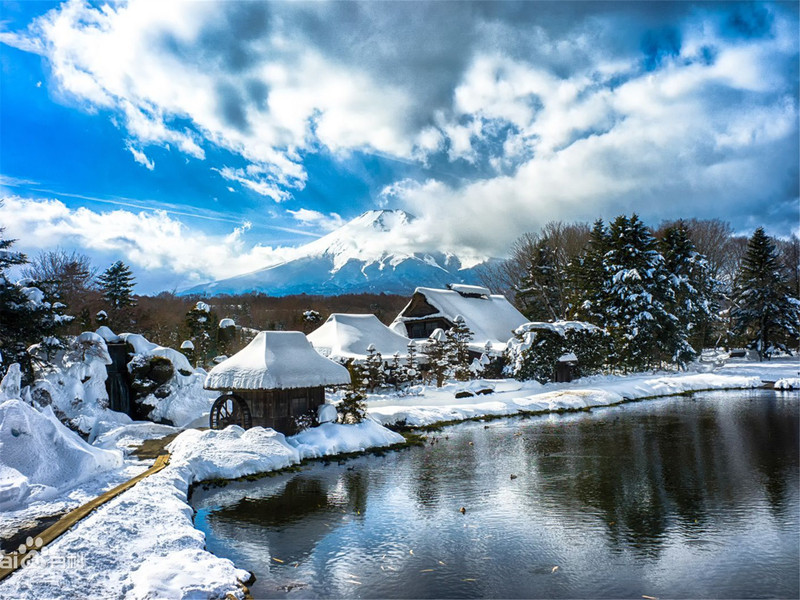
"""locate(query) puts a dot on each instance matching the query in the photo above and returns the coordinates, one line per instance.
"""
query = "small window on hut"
(299, 401)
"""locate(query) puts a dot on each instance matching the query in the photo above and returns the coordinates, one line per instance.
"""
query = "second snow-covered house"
(275, 380)
(490, 317)
(346, 337)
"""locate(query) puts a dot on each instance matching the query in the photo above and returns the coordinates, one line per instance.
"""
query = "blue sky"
(195, 140)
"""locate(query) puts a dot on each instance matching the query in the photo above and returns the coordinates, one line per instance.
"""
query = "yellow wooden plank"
(11, 562)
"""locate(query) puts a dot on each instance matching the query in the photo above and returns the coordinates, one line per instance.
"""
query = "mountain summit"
(372, 253)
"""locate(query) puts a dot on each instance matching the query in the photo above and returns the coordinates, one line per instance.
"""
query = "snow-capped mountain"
(371, 253)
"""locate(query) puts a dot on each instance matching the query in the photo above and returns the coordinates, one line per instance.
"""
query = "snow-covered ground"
(143, 543)
(426, 406)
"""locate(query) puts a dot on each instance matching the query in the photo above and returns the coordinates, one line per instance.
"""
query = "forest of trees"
(662, 294)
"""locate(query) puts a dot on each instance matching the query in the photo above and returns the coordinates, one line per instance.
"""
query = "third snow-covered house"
(490, 317)
(344, 337)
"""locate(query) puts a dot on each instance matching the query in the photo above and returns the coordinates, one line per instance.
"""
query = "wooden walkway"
(16, 560)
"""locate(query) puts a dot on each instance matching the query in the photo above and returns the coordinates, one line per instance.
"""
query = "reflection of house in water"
(293, 521)
(490, 317)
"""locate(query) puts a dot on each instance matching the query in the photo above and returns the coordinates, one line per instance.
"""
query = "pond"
(679, 497)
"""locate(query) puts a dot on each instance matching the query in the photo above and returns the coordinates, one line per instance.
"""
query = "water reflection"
(680, 497)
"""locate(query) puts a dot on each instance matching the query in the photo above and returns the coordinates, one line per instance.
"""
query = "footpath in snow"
(143, 544)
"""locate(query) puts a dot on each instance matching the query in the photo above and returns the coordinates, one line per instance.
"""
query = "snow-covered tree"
(202, 323)
(456, 344)
(352, 409)
(636, 297)
(764, 309)
(588, 277)
(412, 367)
(696, 295)
(397, 372)
(29, 316)
(540, 292)
(438, 363)
(374, 374)
(70, 274)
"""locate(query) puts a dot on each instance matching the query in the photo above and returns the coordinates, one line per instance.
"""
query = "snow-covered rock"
(39, 456)
(145, 348)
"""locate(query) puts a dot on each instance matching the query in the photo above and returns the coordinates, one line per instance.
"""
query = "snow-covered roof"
(475, 290)
(345, 336)
(559, 327)
(276, 360)
(491, 317)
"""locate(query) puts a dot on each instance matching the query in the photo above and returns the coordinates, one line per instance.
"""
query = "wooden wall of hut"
(279, 409)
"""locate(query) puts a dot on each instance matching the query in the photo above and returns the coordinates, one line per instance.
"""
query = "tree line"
(662, 294)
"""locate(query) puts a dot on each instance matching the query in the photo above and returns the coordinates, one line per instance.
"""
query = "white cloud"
(545, 119)
(140, 157)
(148, 240)
(317, 220)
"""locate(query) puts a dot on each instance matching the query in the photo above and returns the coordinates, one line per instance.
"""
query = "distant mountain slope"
(367, 254)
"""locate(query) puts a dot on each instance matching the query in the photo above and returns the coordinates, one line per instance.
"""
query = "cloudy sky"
(195, 140)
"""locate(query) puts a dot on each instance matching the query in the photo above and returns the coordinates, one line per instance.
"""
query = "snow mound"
(276, 360)
(40, 457)
(332, 438)
(232, 452)
(791, 383)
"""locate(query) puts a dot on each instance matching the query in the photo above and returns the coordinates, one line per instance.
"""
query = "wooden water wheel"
(230, 409)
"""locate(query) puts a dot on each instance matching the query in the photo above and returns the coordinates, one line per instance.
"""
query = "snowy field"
(143, 543)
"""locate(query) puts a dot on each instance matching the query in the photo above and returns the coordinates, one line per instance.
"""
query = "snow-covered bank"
(143, 544)
(40, 457)
(511, 397)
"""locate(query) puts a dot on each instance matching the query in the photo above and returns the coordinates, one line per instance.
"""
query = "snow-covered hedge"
(536, 347)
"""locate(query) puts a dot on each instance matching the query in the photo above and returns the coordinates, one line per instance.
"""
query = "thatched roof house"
(490, 317)
(343, 337)
(276, 379)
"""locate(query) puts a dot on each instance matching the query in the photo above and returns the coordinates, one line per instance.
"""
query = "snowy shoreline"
(143, 544)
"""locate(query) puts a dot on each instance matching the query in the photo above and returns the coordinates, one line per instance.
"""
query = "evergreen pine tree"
(373, 369)
(116, 283)
(456, 343)
(764, 309)
(202, 323)
(588, 278)
(636, 297)
(540, 292)
(696, 300)
(398, 372)
(438, 363)
(412, 368)
(28, 316)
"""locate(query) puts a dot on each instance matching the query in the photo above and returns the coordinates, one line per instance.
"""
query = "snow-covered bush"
(536, 347)
(352, 409)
